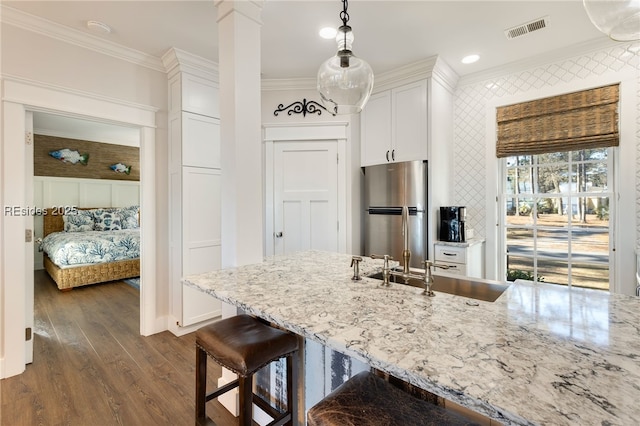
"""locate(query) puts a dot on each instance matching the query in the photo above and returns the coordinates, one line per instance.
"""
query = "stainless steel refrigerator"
(388, 188)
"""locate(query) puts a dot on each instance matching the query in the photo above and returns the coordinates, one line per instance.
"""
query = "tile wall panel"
(470, 104)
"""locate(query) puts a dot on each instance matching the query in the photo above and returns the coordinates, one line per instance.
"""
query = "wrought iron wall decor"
(303, 107)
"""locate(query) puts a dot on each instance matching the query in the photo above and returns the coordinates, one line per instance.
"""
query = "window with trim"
(557, 187)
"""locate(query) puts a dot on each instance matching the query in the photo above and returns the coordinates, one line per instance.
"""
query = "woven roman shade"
(574, 121)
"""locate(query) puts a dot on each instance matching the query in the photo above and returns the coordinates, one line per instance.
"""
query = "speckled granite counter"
(468, 243)
(540, 354)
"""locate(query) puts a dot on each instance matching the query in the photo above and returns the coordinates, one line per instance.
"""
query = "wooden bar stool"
(368, 400)
(244, 345)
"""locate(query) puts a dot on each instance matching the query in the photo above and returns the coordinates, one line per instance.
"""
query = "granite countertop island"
(539, 354)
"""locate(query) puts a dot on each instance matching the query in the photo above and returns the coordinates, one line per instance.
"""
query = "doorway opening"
(38, 97)
(95, 183)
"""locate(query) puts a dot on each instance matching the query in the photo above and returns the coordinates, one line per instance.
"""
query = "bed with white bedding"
(91, 246)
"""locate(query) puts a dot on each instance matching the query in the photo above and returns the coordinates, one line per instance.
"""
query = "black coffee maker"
(452, 220)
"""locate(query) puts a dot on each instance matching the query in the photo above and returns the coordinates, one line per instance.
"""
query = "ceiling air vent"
(526, 28)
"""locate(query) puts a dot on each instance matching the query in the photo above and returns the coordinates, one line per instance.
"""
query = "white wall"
(275, 93)
(472, 103)
(47, 62)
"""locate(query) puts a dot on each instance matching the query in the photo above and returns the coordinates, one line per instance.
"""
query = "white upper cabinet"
(376, 129)
(394, 125)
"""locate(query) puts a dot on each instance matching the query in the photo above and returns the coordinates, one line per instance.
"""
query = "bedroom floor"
(92, 367)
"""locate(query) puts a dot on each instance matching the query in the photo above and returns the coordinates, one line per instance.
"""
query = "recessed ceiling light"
(328, 32)
(99, 27)
(470, 59)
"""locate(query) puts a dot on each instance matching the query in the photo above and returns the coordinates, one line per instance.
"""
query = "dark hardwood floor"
(92, 367)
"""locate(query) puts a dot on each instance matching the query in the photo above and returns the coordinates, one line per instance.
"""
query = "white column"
(239, 25)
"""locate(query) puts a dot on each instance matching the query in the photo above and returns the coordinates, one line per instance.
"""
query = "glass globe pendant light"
(619, 19)
(345, 81)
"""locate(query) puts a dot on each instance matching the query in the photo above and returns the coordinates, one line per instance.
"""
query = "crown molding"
(432, 67)
(539, 60)
(63, 33)
(176, 60)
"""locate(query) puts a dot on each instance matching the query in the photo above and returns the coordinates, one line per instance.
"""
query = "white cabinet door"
(409, 122)
(394, 125)
(305, 196)
(376, 130)
(201, 241)
(200, 141)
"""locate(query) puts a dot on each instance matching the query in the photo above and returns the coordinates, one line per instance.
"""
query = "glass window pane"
(519, 160)
(553, 179)
(553, 157)
(590, 244)
(519, 268)
(511, 209)
(510, 187)
(553, 218)
(596, 177)
(553, 243)
(590, 154)
(525, 210)
(520, 241)
(597, 213)
(553, 271)
(524, 181)
(591, 212)
(550, 205)
(590, 275)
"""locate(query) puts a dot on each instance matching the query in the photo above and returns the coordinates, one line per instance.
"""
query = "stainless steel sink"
(460, 286)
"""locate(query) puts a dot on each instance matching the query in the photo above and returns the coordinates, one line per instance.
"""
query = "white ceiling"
(388, 34)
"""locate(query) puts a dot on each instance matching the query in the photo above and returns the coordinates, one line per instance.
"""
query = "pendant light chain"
(344, 16)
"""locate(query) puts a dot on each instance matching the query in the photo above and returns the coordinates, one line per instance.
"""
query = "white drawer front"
(454, 268)
(451, 254)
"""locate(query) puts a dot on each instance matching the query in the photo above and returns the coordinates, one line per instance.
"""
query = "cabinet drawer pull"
(449, 254)
(387, 155)
(393, 155)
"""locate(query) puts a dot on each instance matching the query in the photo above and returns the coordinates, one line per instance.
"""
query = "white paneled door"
(305, 196)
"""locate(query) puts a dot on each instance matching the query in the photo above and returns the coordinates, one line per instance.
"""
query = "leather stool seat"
(368, 400)
(244, 344)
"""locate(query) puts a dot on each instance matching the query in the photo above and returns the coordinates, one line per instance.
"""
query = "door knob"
(278, 234)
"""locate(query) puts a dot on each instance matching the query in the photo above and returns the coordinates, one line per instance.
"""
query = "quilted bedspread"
(76, 248)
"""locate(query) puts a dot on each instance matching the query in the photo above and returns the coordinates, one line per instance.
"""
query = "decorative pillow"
(129, 217)
(106, 220)
(80, 221)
